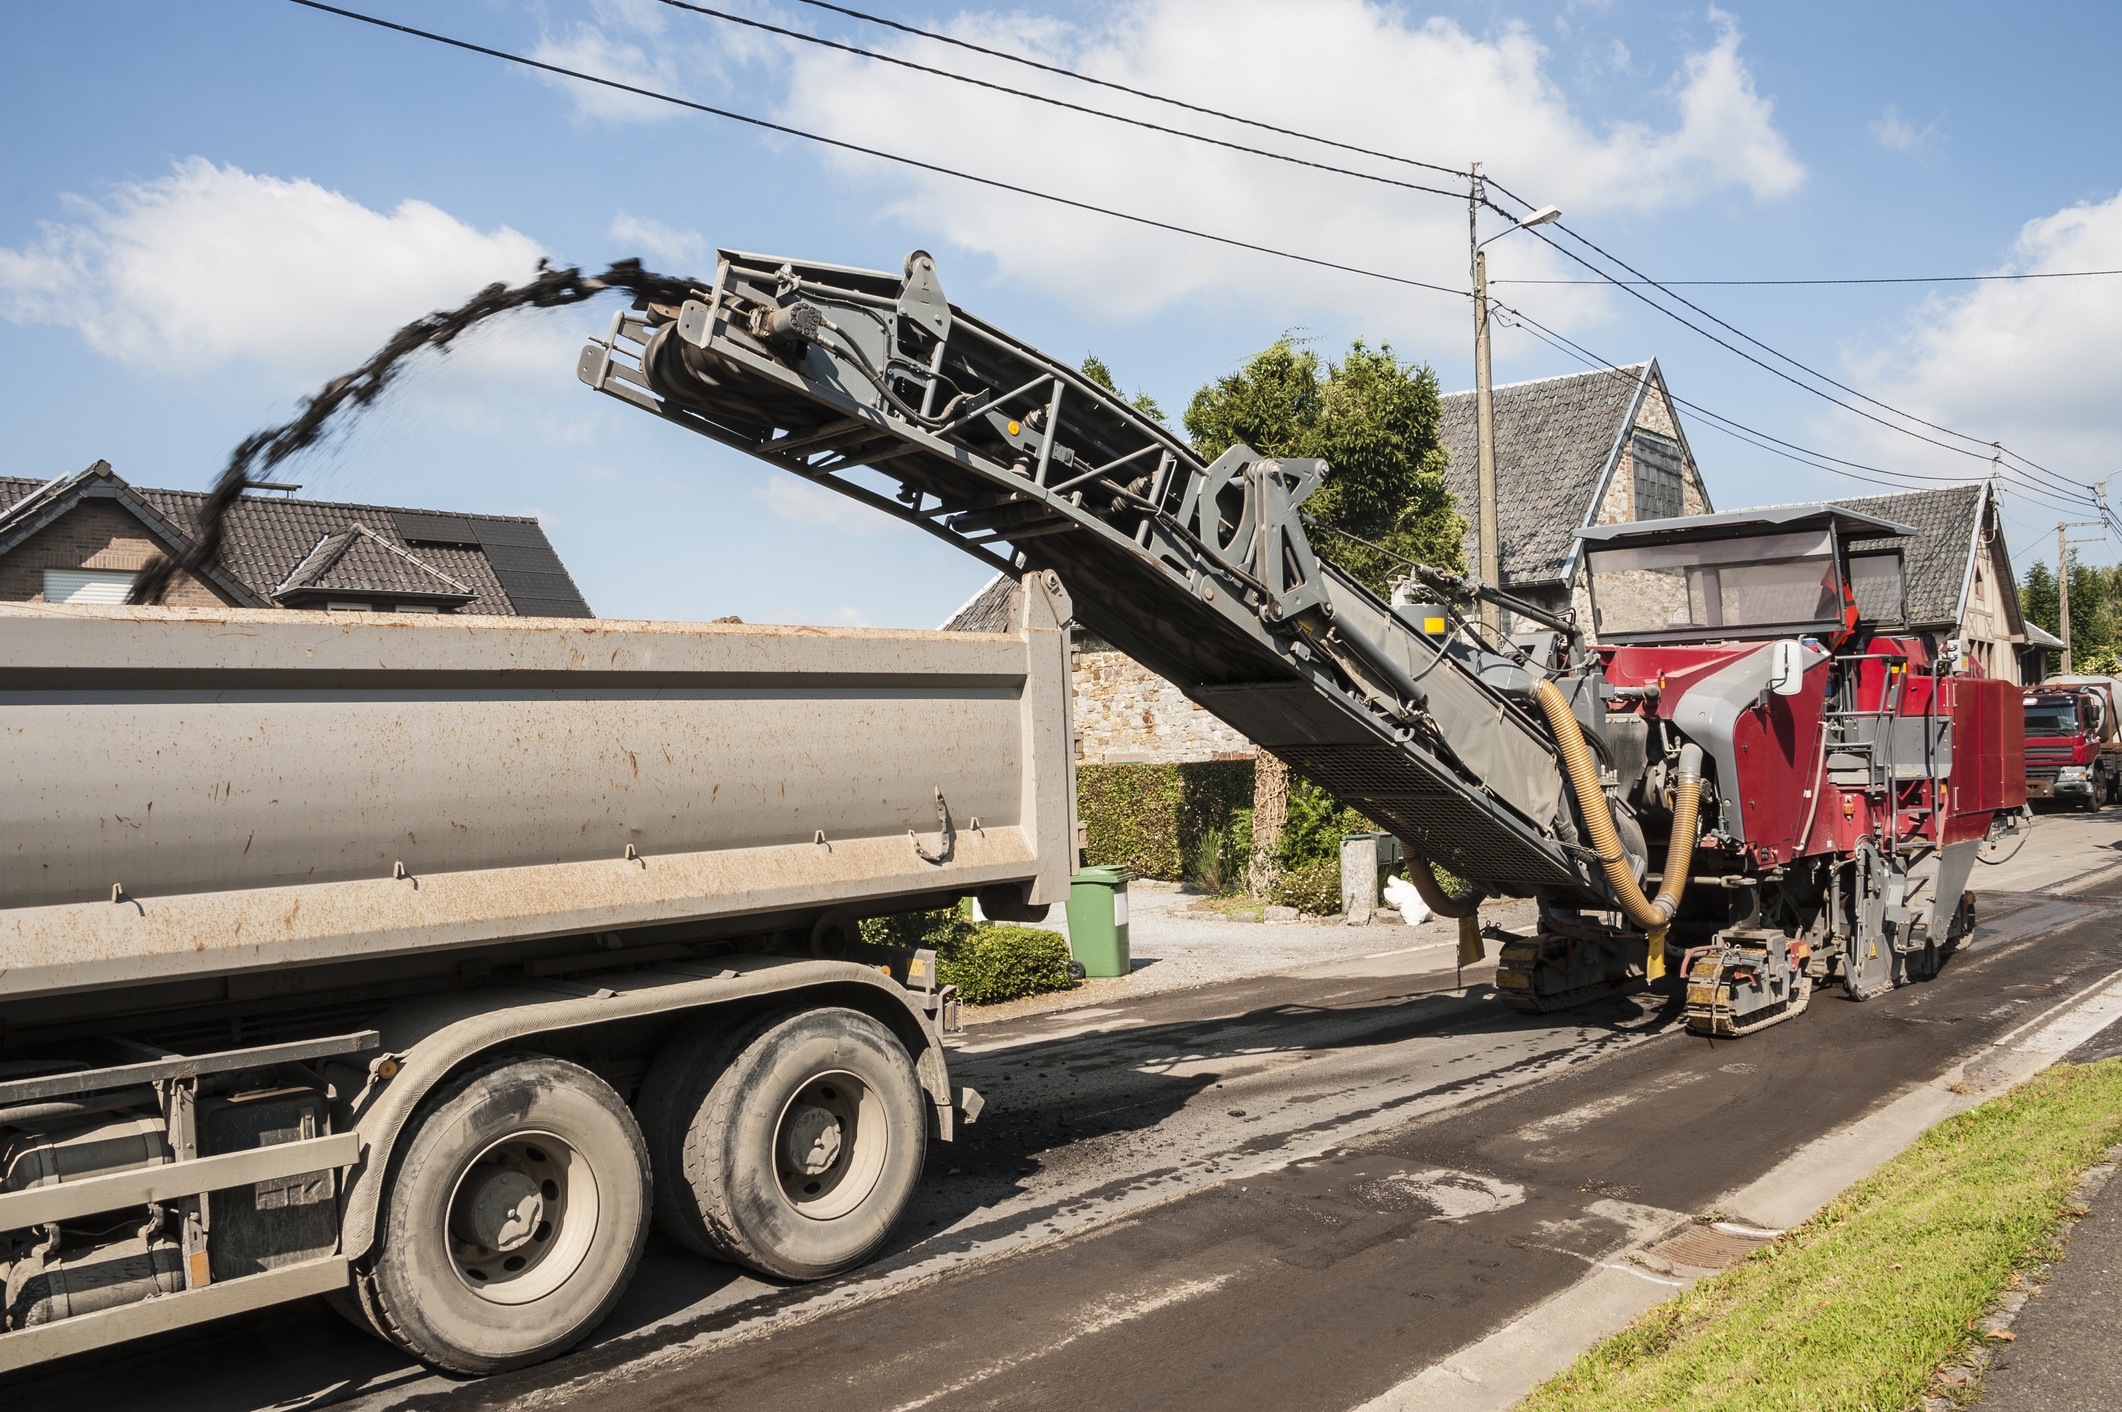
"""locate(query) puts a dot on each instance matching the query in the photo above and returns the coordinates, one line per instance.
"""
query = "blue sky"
(210, 208)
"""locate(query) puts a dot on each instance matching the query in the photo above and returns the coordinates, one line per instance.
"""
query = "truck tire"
(515, 1213)
(791, 1146)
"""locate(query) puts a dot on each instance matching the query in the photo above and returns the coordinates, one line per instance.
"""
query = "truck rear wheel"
(791, 1147)
(514, 1217)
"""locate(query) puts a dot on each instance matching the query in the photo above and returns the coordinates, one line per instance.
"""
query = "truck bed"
(202, 793)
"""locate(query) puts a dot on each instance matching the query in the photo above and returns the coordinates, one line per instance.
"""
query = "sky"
(210, 209)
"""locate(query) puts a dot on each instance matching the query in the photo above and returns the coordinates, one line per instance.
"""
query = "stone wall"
(96, 534)
(1127, 714)
(1618, 506)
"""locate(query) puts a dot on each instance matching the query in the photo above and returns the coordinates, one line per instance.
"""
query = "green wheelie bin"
(1097, 921)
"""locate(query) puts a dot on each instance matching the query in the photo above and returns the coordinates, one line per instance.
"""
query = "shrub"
(1151, 819)
(942, 931)
(1314, 888)
(1313, 833)
(1000, 961)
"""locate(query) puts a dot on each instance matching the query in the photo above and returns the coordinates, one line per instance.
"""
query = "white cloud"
(211, 264)
(1897, 134)
(2034, 363)
(671, 246)
(797, 502)
(590, 50)
(1346, 68)
(635, 43)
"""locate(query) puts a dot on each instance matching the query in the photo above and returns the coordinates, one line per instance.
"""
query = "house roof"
(1851, 522)
(2038, 636)
(1557, 442)
(1938, 559)
(986, 611)
(357, 560)
(505, 561)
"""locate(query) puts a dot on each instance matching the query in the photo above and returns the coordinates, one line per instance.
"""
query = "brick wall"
(1127, 713)
(96, 534)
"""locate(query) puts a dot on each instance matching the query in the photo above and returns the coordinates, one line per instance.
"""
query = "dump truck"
(425, 961)
(2073, 744)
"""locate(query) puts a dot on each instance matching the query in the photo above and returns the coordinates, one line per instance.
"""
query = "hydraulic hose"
(1654, 915)
(1465, 908)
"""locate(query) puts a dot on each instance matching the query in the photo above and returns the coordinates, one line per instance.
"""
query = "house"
(83, 538)
(1958, 574)
(1596, 448)
(2040, 655)
(1589, 448)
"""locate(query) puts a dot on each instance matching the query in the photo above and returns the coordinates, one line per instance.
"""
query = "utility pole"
(1484, 406)
(1491, 566)
(2063, 565)
(2063, 590)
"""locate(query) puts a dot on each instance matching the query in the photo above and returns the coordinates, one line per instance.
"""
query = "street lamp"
(1491, 566)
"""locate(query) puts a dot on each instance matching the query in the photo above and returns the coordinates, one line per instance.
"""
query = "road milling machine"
(1747, 772)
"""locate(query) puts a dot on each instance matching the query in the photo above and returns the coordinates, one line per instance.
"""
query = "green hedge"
(1000, 961)
(1152, 819)
(989, 962)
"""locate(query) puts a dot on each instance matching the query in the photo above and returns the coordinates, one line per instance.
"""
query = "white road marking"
(1404, 950)
(1044, 1036)
(1096, 1320)
(2076, 1025)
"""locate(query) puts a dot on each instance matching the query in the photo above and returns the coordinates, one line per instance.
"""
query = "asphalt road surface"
(1294, 1191)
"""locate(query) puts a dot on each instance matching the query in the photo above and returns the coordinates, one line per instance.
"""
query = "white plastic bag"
(1400, 893)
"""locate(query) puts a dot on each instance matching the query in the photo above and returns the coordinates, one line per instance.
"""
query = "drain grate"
(1704, 1248)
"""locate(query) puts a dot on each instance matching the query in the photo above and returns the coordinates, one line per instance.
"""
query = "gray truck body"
(373, 848)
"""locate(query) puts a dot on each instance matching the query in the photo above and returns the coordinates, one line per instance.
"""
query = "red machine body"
(1851, 772)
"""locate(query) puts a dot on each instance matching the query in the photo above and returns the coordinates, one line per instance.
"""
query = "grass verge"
(1860, 1306)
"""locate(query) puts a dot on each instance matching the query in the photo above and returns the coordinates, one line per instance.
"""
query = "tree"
(1373, 420)
(2037, 597)
(1095, 369)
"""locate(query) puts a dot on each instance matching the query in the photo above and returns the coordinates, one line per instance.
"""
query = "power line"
(1137, 92)
(1172, 227)
(2058, 486)
(1989, 447)
(1029, 96)
(1754, 436)
(1881, 279)
(876, 152)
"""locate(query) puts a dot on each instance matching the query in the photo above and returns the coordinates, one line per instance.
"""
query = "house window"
(418, 608)
(87, 585)
(1661, 471)
(346, 607)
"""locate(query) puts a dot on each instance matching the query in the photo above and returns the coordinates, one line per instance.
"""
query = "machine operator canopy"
(1779, 571)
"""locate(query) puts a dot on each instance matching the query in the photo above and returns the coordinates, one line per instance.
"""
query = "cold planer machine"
(1749, 713)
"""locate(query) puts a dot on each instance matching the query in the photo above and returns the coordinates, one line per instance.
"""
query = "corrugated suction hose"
(1465, 908)
(1654, 915)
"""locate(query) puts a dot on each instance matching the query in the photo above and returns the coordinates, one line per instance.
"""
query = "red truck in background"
(2073, 749)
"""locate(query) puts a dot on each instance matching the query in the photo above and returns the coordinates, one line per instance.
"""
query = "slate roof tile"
(1553, 439)
(1934, 559)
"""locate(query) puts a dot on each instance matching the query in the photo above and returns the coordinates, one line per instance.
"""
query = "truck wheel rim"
(521, 1217)
(830, 1145)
